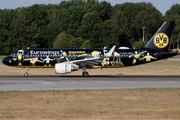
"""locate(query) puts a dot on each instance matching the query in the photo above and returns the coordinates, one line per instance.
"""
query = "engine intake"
(61, 68)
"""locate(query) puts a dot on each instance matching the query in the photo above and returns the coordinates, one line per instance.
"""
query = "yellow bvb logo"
(161, 40)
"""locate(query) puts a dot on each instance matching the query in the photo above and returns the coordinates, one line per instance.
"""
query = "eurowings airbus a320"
(68, 60)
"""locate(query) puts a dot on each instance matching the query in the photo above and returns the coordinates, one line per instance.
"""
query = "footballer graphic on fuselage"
(68, 60)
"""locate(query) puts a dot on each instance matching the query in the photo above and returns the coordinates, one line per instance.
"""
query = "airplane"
(68, 60)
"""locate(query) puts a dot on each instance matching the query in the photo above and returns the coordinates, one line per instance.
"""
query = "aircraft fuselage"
(119, 58)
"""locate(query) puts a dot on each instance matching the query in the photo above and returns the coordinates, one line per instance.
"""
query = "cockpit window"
(13, 55)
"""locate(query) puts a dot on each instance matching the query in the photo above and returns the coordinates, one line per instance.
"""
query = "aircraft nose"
(5, 61)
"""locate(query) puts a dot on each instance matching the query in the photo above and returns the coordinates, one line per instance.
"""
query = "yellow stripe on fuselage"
(34, 66)
(91, 67)
(88, 67)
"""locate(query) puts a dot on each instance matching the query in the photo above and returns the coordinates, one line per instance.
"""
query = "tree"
(62, 40)
(76, 14)
(125, 36)
(6, 17)
(20, 34)
(89, 28)
(174, 14)
(109, 32)
(115, 31)
(85, 24)
(149, 17)
(76, 42)
(65, 40)
(132, 16)
(37, 16)
(174, 10)
(139, 44)
(86, 44)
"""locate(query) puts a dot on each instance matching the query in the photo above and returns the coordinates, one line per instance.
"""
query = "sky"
(161, 5)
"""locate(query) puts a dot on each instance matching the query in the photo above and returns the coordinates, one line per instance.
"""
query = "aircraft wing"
(92, 61)
(87, 62)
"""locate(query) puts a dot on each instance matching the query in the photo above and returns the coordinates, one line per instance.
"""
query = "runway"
(55, 82)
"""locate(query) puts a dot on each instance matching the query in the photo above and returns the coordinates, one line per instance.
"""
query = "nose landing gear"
(26, 72)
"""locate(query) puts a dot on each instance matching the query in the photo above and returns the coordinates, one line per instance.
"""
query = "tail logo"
(161, 40)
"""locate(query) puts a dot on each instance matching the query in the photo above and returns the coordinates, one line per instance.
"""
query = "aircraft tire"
(85, 74)
(25, 74)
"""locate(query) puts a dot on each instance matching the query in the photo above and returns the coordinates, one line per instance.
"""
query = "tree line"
(82, 24)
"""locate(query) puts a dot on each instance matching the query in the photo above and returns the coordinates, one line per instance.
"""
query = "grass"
(2, 57)
(126, 104)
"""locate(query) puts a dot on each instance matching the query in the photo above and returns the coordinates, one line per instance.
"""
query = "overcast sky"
(161, 5)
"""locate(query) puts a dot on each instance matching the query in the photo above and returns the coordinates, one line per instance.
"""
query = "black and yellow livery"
(67, 60)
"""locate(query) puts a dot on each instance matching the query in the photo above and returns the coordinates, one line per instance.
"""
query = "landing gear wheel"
(25, 74)
(85, 74)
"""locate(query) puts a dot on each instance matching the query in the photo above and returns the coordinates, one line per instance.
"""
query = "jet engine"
(62, 68)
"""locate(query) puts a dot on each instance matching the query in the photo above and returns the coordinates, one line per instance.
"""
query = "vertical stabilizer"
(161, 39)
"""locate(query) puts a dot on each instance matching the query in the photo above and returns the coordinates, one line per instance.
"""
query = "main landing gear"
(85, 73)
(26, 72)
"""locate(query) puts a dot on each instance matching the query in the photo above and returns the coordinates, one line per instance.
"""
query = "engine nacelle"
(61, 68)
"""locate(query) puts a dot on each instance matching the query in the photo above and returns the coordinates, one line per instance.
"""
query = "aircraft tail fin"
(161, 39)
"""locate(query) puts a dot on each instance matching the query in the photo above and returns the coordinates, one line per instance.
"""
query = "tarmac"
(55, 82)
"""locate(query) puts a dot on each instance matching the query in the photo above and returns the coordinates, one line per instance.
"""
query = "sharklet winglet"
(110, 51)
